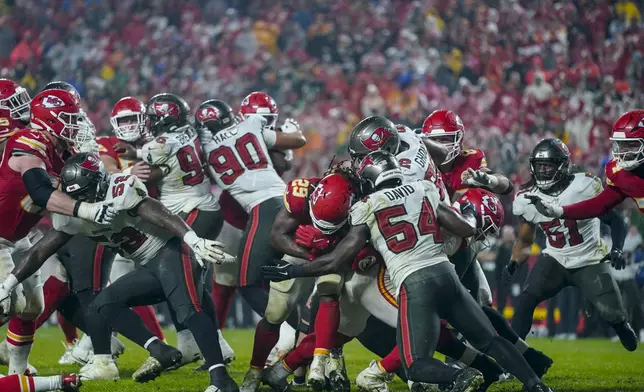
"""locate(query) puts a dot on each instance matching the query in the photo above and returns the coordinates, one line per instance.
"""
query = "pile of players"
(395, 229)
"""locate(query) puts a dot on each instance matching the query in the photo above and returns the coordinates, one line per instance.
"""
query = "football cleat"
(467, 380)
(252, 379)
(188, 346)
(337, 372)
(117, 347)
(276, 377)
(100, 367)
(163, 358)
(538, 361)
(70, 382)
(626, 335)
(226, 351)
(82, 351)
(317, 372)
(66, 358)
(374, 379)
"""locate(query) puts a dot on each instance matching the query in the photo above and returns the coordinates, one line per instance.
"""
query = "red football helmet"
(262, 104)
(128, 120)
(447, 128)
(59, 112)
(628, 139)
(489, 211)
(330, 202)
(14, 105)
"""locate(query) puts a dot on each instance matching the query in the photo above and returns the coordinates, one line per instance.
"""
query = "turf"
(582, 365)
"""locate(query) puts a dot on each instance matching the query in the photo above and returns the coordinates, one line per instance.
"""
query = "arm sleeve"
(270, 137)
(617, 228)
(597, 206)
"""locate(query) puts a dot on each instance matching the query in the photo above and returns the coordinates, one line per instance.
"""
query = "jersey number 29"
(401, 236)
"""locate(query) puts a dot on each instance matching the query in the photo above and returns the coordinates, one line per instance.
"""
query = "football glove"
(616, 258)
(544, 207)
(207, 251)
(311, 237)
(480, 179)
(102, 212)
(279, 272)
(508, 271)
(290, 126)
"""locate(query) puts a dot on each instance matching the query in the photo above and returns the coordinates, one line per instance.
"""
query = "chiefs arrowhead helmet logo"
(490, 202)
(207, 114)
(52, 101)
(166, 109)
(377, 139)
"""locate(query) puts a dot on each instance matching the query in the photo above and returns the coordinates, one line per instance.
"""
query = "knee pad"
(606, 298)
(330, 284)
(279, 305)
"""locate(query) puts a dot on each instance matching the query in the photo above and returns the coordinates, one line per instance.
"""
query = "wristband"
(76, 208)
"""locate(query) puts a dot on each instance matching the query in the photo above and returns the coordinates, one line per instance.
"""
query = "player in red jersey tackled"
(462, 168)
(624, 174)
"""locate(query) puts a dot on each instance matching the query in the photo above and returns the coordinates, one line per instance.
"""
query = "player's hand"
(480, 179)
(508, 271)
(102, 212)
(290, 126)
(365, 259)
(311, 237)
(544, 207)
(125, 150)
(279, 272)
(616, 258)
(207, 251)
(205, 135)
(142, 170)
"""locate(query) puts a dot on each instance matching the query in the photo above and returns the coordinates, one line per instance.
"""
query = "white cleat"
(317, 372)
(252, 379)
(188, 346)
(67, 359)
(117, 348)
(101, 367)
(337, 372)
(4, 353)
(226, 351)
(83, 351)
(374, 379)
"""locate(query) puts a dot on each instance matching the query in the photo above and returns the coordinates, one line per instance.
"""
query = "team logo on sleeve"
(377, 139)
(207, 114)
(166, 109)
(52, 101)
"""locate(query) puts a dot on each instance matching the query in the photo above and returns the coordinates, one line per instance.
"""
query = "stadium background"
(515, 71)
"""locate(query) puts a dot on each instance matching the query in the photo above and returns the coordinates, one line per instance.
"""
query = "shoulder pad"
(30, 142)
(474, 158)
(296, 195)
(126, 191)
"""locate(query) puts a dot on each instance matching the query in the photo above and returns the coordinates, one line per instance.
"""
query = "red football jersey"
(234, 213)
(626, 182)
(470, 158)
(18, 213)
(106, 147)
(296, 198)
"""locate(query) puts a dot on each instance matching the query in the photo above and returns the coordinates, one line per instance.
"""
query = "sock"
(149, 317)
(54, 292)
(327, 322)
(286, 341)
(202, 328)
(21, 383)
(501, 325)
(303, 352)
(222, 296)
(20, 338)
(511, 360)
(487, 366)
(391, 363)
(521, 345)
(217, 373)
(266, 336)
(126, 322)
(468, 357)
(68, 329)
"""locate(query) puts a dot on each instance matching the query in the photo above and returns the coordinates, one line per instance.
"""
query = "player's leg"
(598, 286)
(21, 383)
(545, 280)
(226, 275)
(465, 314)
(255, 251)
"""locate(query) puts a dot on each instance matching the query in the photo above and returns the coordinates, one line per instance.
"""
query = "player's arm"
(520, 249)
(344, 253)
(42, 192)
(599, 205)
(618, 233)
(36, 257)
(156, 213)
(110, 164)
(282, 235)
(454, 222)
(289, 138)
(499, 183)
(437, 151)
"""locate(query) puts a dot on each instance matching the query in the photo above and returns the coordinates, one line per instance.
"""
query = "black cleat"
(540, 387)
(223, 384)
(467, 380)
(626, 335)
(538, 361)
(162, 358)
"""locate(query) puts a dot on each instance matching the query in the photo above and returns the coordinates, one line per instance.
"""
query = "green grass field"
(582, 365)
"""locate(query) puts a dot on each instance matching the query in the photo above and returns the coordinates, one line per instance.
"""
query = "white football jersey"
(135, 239)
(184, 186)
(415, 161)
(572, 243)
(239, 161)
(403, 227)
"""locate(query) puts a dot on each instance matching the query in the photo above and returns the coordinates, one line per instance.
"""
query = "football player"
(426, 282)
(138, 233)
(574, 253)
(22, 383)
(30, 157)
(624, 174)
(14, 108)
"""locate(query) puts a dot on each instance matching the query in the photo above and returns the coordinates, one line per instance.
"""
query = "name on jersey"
(221, 136)
(186, 137)
(400, 193)
(421, 157)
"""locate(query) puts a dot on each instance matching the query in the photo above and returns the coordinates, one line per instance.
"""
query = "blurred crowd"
(514, 70)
